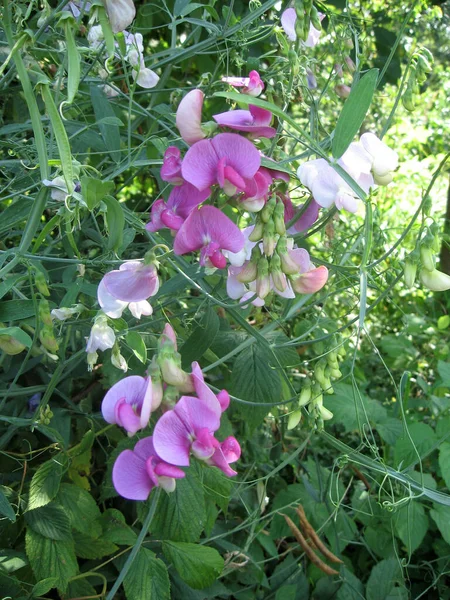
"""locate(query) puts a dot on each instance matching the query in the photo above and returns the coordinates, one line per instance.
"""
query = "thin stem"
(145, 527)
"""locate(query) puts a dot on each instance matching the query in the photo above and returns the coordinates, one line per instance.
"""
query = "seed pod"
(305, 394)
(73, 62)
(106, 30)
(315, 19)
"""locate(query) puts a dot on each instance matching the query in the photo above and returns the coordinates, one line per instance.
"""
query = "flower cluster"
(186, 427)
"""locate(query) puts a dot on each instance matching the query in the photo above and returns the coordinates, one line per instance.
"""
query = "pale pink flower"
(189, 117)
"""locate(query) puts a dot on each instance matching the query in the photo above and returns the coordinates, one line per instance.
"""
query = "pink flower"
(182, 201)
(255, 121)
(132, 282)
(208, 230)
(189, 117)
(228, 160)
(171, 169)
(311, 281)
(203, 391)
(189, 427)
(251, 85)
(136, 472)
(303, 223)
(288, 19)
(130, 402)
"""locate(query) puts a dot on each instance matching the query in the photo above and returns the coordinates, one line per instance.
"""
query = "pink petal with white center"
(204, 445)
(111, 306)
(288, 19)
(301, 258)
(255, 85)
(132, 283)
(146, 406)
(132, 389)
(130, 477)
(189, 117)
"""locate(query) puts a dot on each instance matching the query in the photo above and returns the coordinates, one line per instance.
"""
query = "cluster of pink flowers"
(185, 428)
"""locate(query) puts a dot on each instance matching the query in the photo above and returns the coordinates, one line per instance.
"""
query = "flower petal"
(199, 166)
(288, 19)
(132, 285)
(131, 388)
(171, 439)
(239, 153)
(130, 478)
(111, 306)
(189, 117)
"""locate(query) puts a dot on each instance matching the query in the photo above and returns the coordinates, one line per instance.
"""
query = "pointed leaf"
(199, 566)
(147, 578)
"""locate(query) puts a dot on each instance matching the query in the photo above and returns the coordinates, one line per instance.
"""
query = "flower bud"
(189, 117)
(249, 271)
(294, 419)
(268, 209)
(258, 229)
(41, 284)
(343, 91)
(171, 371)
(170, 397)
(121, 13)
(311, 281)
(315, 18)
(47, 338)
(44, 313)
(269, 240)
(350, 64)
(278, 218)
(427, 257)
(278, 277)
(305, 394)
(435, 280)
(263, 280)
(410, 272)
(117, 360)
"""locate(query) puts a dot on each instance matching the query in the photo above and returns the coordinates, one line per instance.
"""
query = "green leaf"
(443, 322)
(353, 113)
(147, 578)
(50, 521)
(45, 483)
(136, 343)
(44, 586)
(444, 462)
(51, 558)
(17, 334)
(286, 592)
(217, 486)
(115, 220)
(382, 579)
(444, 372)
(94, 190)
(109, 131)
(351, 588)
(115, 528)
(350, 408)
(90, 547)
(197, 565)
(254, 380)
(181, 515)
(405, 453)
(411, 525)
(16, 310)
(200, 339)
(5, 507)
(81, 509)
(441, 516)
(390, 430)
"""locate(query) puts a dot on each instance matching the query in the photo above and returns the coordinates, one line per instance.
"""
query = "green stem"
(137, 545)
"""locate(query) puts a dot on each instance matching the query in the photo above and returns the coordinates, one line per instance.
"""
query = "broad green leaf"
(115, 528)
(10, 587)
(353, 112)
(216, 486)
(380, 540)
(147, 578)
(411, 525)
(353, 409)
(441, 516)
(94, 190)
(390, 430)
(444, 372)
(286, 592)
(291, 496)
(6, 509)
(180, 516)
(137, 345)
(80, 507)
(443, 322)
(45, 482)
(16, 310)
(115, 220)
(351, 588)
(109, 131)
(11, 561)
(254, 380)
(197, 565)
(200, 339)
(90, 547)
(51, 558)
(444, 462)
(423, 437)
(382, 579)
(44, 586)
(50, 521)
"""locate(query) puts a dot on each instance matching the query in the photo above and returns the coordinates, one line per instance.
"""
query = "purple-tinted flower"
(255, 121)
(304, 222)
(121, 13)
(114, 308)
(182, 201)
(227, 160)
(102, 336)
(342, 90)
(190, 427)
(171, 169)
(130, 402)
(34, 402)
(132, 282)
(136, 472)
(203, 391)
(251, 85)
(189, 117)
(288, 19)
(208, 230)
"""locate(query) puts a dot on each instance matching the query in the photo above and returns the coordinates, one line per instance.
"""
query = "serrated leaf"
(382, 579)
(115, 528)
(350, 408)
(406, 452)
(147, 578)
(353, 112)
(90, 547)
(44, 586)
(51, 558)
(137, 345)
(50, 521)
(217, 486)
(81, 509)
(94, 190)
(411, 525)
(6, 509)
(197, 565)
(181, 515)
(200, 339)
(351, 588)
(254, 380)
(45, 482)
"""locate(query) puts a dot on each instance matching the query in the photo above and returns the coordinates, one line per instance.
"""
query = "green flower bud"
(278, 277)
(48, 340)
(269, 240)
(410, 272)
(305, 394)
(294, 419)
(258, 229)
(249, 271)
(44, 312)
(278, 218)
(41, 284)
(315, 19)
(263, 280)
(267, 210)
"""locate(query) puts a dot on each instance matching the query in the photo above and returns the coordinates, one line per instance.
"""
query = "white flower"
(95, 36)
(435, 280)
(121, 13)
(102, 336)
(59, 188)
(65, 313)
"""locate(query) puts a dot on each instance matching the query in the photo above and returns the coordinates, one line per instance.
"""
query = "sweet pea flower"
(311, 281)
(189, 427)
(228, 160)
(435, 280)
(183, 199)
(306, 220)
(288, 19)
(136, 472)
(132, 282)
(208, 230)
(203, 391)
(121, 13)
(189, 117)
(130, 402)
(384, 160)
(255, 121)
(144, 77)
(171, 169)
(59, 190)
(102, 336)
(251, 85)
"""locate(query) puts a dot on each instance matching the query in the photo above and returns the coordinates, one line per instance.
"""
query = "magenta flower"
(208, 230)
(189, 117)
(171, 169)
(251, 85)
(136, 472)
(189, 427)
(227, 160)
(182, 201)
(130, 402)
(203, 391)
(307, 219)
(255, 121)
(132, 282)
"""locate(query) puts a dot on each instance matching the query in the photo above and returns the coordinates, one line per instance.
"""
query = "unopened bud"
(343, 91)
(294, 419)
(278, 277)
(48, 340)
(410, 272)
(427, 257)
(315, 18)
(305, 394)
(249, 271)
(350, 64)
(268, 209)
(278, 218)
(269, 240)
(44, 313)
(258, 229)
(41, 284)
(263, 280)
